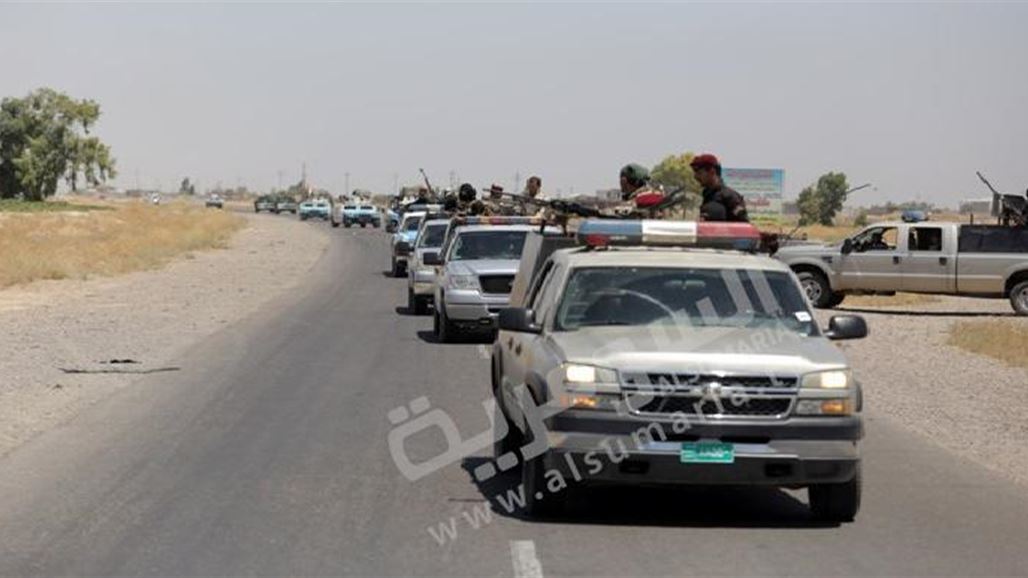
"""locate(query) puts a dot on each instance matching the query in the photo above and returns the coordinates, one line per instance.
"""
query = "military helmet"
(467, 193)
(635, 174)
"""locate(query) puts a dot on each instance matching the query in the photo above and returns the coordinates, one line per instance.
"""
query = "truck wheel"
(363, 225)
(836, 502)
(816, 286)
(837, 299)
(539, 501)
(512, 442)
(412, 301)
(444, 328)
(1019, 298)
(335, 224)
(420, 305)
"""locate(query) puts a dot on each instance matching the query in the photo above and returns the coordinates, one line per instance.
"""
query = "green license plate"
(707, 453)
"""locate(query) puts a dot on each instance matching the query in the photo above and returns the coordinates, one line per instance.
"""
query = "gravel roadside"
(968, 403)
(68, 344)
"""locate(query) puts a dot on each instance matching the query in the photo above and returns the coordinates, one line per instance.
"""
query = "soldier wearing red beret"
(720, 202)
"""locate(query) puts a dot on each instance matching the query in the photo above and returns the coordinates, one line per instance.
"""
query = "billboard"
(762, 188)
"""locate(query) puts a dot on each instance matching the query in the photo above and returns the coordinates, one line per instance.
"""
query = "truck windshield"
(499, 244)
(433, 235)
(681, 296)
(412, 224)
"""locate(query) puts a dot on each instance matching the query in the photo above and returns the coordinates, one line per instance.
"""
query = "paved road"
(267, 455)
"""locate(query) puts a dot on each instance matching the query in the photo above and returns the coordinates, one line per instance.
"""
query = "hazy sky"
(912, 98)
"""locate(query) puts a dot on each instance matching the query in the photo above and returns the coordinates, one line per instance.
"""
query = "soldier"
(467, 201)
(636, 192)
(533, 190)
(720, 202)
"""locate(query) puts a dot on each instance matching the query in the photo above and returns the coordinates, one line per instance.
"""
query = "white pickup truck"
(943, 258)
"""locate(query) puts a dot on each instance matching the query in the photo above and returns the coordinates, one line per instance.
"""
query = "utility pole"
(280, 179)
(517, 181)
(396, 184)
(453, 179)
(346, 185)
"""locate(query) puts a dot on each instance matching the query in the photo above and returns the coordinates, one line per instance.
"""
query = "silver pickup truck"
(943, 258)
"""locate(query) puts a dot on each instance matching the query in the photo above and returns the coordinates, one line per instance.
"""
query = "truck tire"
(836, 502)
(335, 224)
(539, 501)
(512, 442)
(363, 224)
(412, 301)
(420, 305)
(818, 291)
(444, 330)
(1019, 298)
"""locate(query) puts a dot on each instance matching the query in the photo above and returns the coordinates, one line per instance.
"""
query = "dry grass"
(897, 300)
(998, 339)
(79, 245)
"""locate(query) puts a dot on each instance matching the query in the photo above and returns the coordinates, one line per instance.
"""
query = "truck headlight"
(462, 282)
(590, 379)
(835, 379)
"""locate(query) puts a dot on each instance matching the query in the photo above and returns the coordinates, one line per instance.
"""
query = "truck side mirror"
(847, 246)
(846, 327)
(403, 248)
(518, 319)
(433, 258)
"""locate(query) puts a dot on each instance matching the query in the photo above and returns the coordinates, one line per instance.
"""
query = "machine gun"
(1011, 210)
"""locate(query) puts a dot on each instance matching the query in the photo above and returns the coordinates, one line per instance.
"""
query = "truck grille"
(686, 381)
(696, 405)
(496, 283)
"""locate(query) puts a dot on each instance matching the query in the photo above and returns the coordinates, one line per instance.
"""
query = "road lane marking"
(526, 563)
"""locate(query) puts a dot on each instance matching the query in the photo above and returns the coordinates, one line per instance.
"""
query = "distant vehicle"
(214, 201)
(155, 199)
(357, 214)
(704, 366)
(285, 205)
(913, 216)
(421, 277)
(264, 203)
(941, 258)
(478, 261)
(315, 209)
(402, 240)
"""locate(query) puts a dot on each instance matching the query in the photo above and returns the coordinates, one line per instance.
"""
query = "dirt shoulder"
(969, 403)
(59, 338)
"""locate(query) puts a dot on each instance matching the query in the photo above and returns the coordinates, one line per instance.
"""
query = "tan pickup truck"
(925, 257)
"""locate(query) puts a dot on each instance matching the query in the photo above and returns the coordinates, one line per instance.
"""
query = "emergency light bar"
(710, 235)
(498, 220)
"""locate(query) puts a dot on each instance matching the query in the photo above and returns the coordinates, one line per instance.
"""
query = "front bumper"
(791, 452)
(474, 307)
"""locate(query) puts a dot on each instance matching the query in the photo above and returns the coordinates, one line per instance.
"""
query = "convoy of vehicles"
(421, 277)
(621, 339)
(918, 257)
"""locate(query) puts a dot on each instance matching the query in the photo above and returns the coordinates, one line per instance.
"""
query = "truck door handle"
(943, 260)
(895, 259)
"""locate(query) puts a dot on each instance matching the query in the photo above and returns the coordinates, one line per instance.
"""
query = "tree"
(819, 203)
(674, 172)
(44, 138)
(186, 188)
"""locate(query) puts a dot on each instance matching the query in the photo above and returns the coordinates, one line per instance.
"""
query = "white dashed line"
(526, 564)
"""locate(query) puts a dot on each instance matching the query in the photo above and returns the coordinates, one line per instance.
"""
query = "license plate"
(707, 453)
